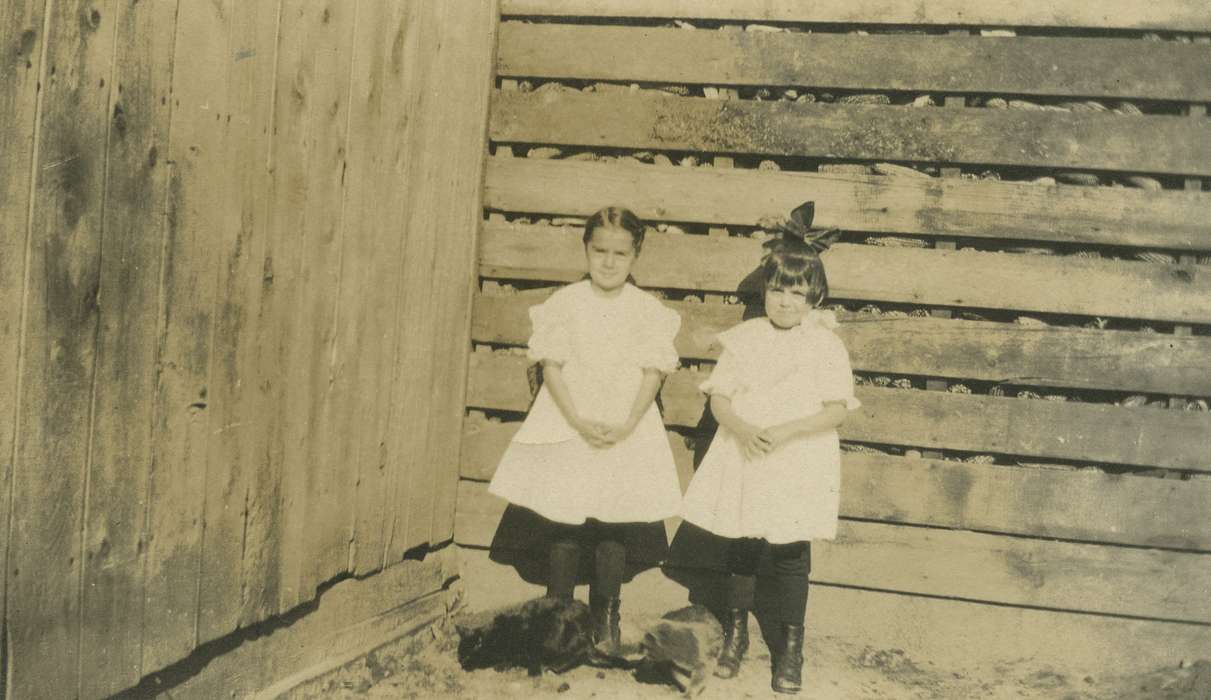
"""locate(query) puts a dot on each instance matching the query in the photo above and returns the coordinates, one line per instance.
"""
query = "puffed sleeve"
(656, 348)
(835, 376)
(550, 338)
(725, 377)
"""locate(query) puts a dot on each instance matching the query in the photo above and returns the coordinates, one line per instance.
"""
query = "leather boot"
(788, 662)
(606, 636)
(735, 643)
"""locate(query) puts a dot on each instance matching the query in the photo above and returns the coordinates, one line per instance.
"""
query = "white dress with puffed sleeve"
(604, 344)
(774, 375)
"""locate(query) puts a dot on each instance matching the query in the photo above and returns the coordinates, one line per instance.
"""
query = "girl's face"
(610, 254)
(787, 306)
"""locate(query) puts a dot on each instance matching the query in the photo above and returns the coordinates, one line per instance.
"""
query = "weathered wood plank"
(382, 114)
(237, 448)
(1018, 66)
(1049, 284)
(414, 485)
(129, 298)
(21, 25)
(182, 431)
(1082, 505)
(974, 566)
(325, 542)
(1098, 140)
(1073, 357)
(1076, 431)
(933, 207)
(463, 65)
(58, 353)
(1183, 15)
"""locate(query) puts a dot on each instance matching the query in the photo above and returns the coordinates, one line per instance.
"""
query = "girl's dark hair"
(790, 262)
(616, 217)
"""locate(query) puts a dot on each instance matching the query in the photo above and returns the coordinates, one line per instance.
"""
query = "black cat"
(540, 634)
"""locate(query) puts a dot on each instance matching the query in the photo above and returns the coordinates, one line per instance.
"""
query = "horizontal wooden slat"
(1126, 68)
(1021, 571)
(1185, 15)
(986, 351)
(1076, 505)
(932, 419)
(927, 206)
(1050, 284)
(1098, 140)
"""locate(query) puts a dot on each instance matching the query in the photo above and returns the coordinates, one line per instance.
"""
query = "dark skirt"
(523, 541)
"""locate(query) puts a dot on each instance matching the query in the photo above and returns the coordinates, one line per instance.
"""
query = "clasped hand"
(757, 442)
(603, 434)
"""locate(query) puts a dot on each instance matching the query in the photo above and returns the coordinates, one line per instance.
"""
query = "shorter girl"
(593, 457)
(771, 477)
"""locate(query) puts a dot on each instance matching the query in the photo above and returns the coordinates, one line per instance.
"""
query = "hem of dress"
(565, 521)
(753, 534)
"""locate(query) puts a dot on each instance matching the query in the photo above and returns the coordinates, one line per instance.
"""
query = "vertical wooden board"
(325, 542)
(272, 515)
(410, 508)
(136, 180)
(237, 417)
(263, 493)
(380, 116)
(182, 428)
(21, 25)
(58, 354)
(308, 144)
(464, 62)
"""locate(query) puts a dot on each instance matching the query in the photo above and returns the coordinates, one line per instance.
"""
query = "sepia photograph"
(611, 349)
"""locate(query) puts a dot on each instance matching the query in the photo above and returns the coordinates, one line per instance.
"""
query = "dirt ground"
(426, 667)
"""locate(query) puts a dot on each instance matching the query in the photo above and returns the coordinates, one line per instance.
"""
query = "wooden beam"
(127, 350)
(1178, 15)
(981, 350)
(1083, 505)
(988, 424)
(973, 566)
(58, 342)
(922, 206)
(1097, 140)
(22, 25)
(1015, 66)
(1022, 282)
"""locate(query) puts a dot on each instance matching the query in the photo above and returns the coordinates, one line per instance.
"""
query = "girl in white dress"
(592, 456)
(771, 477)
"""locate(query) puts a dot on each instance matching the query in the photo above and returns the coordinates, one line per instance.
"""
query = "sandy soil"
(426, 667)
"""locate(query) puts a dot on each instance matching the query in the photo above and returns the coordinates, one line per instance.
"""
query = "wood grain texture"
(1186, 15)
(182, 431)
(1018, 65)
(236, 450)
(1050, 284)
(1098, 140)
(1082, 505)
(21, 25)
(1075, 431)
(985, 351)
(973, 566)
(463, 65)
(384, 99)
(58, 352)
(930, 207)
(412, 487)
(323, 538)
(129, 299)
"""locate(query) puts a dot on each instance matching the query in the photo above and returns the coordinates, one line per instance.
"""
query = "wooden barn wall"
(235, 278)
(1023, 279)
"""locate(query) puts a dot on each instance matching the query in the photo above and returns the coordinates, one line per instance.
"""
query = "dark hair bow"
(799, 228)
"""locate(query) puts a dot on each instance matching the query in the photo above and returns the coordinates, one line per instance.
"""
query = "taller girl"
(592, 457)
(771, 478)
